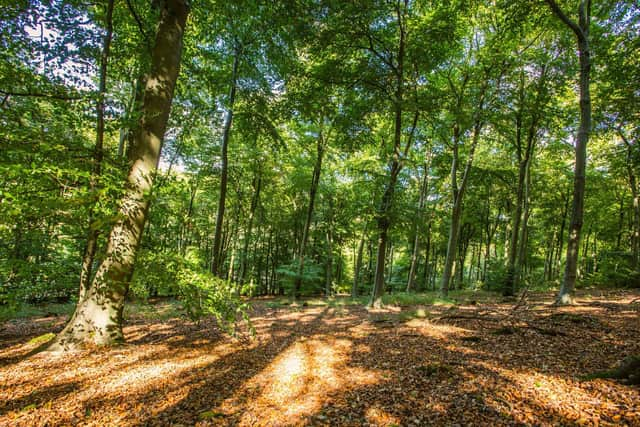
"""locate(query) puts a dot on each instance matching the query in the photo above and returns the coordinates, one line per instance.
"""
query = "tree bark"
(563, 226)
(98, 154)
(329, 266)
(633, 184)
(424, 188)
(217, 238)
(458, 196)
(524, 233)
(313, 189)
(255, 200)
(358, 265)
(524, 165)
(384, 212)
(98, 316)
(581, 30)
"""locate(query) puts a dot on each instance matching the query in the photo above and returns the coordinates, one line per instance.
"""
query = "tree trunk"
(581, 30)
(384, 212)
(313, 189)
(185, 235)
(217, 238)
(524, 234)
(456, 213)
(563, 226)
(329, 263)
(358, 265)
(633, 184)
(427, 252)
(510, 278)
(329, 266)
(257, 185)
(98, 316)
(416, 240)
(98, 154)
(620, 220)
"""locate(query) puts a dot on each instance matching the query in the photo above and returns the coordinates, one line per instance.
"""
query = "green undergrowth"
(165, 310)
(401, 299)
(25, 311)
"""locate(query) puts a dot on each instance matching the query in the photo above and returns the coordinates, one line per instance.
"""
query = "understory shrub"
(200, 293)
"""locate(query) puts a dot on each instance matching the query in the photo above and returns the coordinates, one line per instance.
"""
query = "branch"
(411, 133)
(59, 96)
(379, 55)
(140, 26)
(564, 18)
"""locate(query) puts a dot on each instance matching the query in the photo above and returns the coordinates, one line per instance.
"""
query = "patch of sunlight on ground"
(532, 388)
(140, 377)
(379, 417)
(385, 309)
(297, 383)
(434, 330)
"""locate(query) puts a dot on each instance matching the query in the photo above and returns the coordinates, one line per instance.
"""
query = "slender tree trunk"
(370, 271)
(524, 165)
(217, 238)
(548, 270)
(98, 316)
(585, 254)
(358, 266)
(491, 231)
(255, 200)
(563, 226)
(524, 234)
(329, 266)
(427, 252)
(516, 215)
(384, 212)
(510, 280)
(383, 231)
(416, 240)
(329, 261)
(581, 30)
(232, 262)
(620, 222)
(456, 213)
(635, 238)
(390, 270)
(565, 295)
(185, 237)
(633, 184)
(434, 269)
(98, 154)
(313, 189)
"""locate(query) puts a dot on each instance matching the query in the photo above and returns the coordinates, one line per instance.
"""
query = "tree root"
(628, 371)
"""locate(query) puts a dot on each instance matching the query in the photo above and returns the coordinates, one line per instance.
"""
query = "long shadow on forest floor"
(419, 378)
(322, 365)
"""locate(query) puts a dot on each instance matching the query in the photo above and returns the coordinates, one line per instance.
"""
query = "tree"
(98, 315)
(98, 154)
(581, 31)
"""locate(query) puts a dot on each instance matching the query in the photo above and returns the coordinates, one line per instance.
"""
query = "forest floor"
(472, 363)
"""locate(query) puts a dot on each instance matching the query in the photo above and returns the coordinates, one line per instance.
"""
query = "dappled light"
(297, 383)
(322, 365)
(324, 213)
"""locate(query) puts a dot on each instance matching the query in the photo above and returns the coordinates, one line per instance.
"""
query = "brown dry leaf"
(319, 366)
